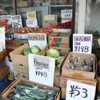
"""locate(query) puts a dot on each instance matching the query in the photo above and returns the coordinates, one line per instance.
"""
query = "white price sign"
(16, 21)
(79, 91)
(82, 43)
(31, 23)
(39, 39)
(66, 15)
(41, 69)
(2, 36)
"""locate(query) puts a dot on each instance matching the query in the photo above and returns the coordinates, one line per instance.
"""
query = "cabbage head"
(35, 49)
(52, 53)
(26, 51)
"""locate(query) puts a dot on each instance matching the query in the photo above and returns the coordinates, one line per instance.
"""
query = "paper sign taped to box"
(79, 91)
(2, 38)
(38, 39)
(41, 69)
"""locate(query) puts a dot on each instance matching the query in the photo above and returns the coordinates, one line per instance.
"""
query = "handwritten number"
(85, 92)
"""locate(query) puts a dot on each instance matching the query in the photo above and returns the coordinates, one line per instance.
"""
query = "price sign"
(31, 23)
(41, 69)
(38, 39)
(79, 91)
(16, 21)
(31, 15)
(2, 36)
(82, 43)
(66, 15)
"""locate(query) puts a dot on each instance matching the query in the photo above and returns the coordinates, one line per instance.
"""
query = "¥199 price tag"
(82, 43)
(79, 91)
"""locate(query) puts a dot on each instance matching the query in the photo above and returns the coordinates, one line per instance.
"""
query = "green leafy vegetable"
(52, 53)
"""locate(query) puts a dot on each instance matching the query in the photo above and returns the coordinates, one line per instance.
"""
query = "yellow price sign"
(1, 31)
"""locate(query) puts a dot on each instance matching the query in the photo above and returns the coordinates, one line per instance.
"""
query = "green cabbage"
(52, 53)
(35, 49)
(26, 51)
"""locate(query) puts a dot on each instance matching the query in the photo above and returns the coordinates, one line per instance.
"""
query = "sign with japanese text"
(41, 69)
(79, 91)
(2, 37)
(31, 15)
(31, 23)
(66, 15)
(16, 21)
(39, 39)
(82, 43)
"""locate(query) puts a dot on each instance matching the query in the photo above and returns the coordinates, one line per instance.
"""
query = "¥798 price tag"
(79, 91)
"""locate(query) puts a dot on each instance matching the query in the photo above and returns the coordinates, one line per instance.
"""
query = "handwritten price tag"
(2, 36)
(31, 23)
(82, 43)
(31, 15)
(41, 69)
(79, 91)
(16, 21)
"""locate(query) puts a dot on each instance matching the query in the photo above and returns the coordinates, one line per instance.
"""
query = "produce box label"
(31, 23)
(41, 69)
(56, 42)
(39, 39)
(16, 21)
(79, 91)
(2, 38)
(82, 43)
(66, 15)
(31, 15)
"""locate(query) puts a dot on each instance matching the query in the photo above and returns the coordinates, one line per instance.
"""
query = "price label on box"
(39, 39)
(41, 69)
(82, 43)
(16, 21)
(31, 23)
(79, 91)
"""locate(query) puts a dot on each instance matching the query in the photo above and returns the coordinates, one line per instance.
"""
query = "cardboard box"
(63, 81)
(3, 54)
(15, 43)
(79, 74)
(20, 62)
(49, 20)
(20, 36)
(10, 87)
(23, 3)
(63, 52)
(59, 39)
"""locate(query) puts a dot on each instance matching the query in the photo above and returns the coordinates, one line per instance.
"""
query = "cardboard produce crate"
(11, 86)
(3, 54)
(59, 39)
(23, 3)
(63, 81)
(15, 43)
(63, 52)
(20, 61)
(79, 74)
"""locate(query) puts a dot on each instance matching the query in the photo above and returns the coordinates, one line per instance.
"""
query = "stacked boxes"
(87, 77)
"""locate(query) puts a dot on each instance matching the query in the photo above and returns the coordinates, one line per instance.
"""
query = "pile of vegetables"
(55, 54)
(34, 50)
(28, 91)
(79, 63)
